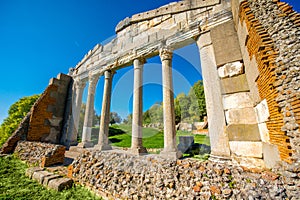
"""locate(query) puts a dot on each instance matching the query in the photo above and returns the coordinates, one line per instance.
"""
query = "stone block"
(29, 172)
(180, 17)
(185, 143)
(54, 81)
(246, 149)
(249, 162)
(264, 132)
(270, 154)
(262, 111)
(142, 26)
(231, 69)
(237, 100)
(234, 84)
(64, 77)
(201, 3)
(171, 155)
(47, 179)
(60, 184)
(182, 5)
(225, 43)
(40, 176)
(243, 34)
(155, 21)
(241, 116)
(243, 132)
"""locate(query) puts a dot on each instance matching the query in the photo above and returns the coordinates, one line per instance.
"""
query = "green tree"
(115, 118)
(156, 113)
(198, 91)
(183, 102)
(16, 113)
(146, 117)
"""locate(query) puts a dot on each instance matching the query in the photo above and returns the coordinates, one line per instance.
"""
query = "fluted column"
(74, 123)
(137, 113)
(89, 113)
(105, 113)
(170, 148)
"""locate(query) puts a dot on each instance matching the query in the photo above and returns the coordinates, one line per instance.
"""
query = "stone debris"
(127, 176)
(48, 179)
(43, 154)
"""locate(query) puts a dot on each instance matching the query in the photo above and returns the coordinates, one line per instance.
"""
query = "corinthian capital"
(165, 54)
(79, 84)
(93, 79)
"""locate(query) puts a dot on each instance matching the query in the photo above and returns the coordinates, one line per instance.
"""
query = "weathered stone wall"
(19, 134)
(48, 112)
(44, 122)
(269, 38)
(41, 154)
(122, 176)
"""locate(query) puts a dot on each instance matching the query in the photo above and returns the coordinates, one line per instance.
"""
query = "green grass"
(15, 185)
(200, 139)
(152, 138)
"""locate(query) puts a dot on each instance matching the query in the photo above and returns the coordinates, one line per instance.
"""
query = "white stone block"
(262, 111)
(143, 26)
(264, 132)
(237, 100)
(180, 17)
(246, 149)
(231, 69)
(241, 116)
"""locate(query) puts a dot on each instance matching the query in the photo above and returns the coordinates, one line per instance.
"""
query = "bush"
(16, 113)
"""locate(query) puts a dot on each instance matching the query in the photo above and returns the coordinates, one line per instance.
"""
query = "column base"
(103, 147)
(173, 155)
(71, 143)
(138, 150)
(85, 144)
(219, 159)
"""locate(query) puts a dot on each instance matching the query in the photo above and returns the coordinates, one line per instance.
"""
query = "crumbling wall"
(269, 37)
(44, 121)
(48, 112)
(41, 154)
(19, 134)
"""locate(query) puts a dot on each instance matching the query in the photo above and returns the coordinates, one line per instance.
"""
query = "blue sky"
(39, 39)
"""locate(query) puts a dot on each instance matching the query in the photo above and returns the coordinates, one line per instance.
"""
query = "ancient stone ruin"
(249, 53)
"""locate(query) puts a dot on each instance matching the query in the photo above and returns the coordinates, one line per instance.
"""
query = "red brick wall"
(38, 128)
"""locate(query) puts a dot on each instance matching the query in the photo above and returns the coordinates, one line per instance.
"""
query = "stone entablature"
(144, 39)
(169, 9)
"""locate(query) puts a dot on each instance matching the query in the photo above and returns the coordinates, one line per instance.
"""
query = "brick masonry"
(272, 40)
(46, 121)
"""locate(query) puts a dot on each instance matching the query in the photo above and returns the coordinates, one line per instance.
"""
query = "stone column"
(213, 97)
(105, 113)
(137, 113)
(89, 113)
(170, 148)
(77, 101)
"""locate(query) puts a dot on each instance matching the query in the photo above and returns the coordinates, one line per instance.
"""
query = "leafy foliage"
(188, 108)
(115, 118)
(16, 113)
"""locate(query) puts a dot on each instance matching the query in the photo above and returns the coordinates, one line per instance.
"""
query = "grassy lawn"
(15, 185)
(152, 138)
